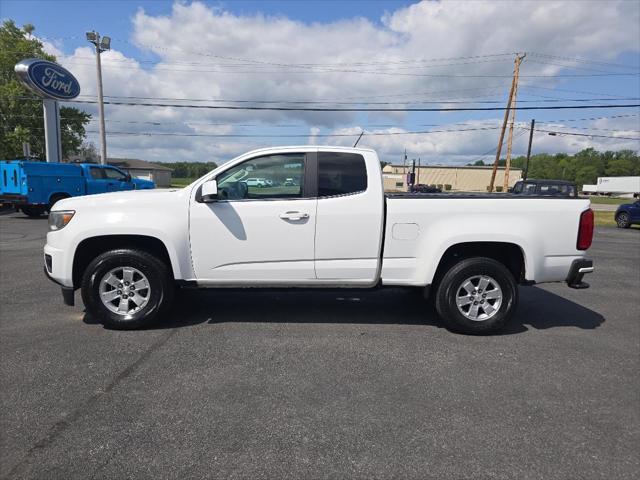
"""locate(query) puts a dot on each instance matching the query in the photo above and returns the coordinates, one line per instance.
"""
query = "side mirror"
(209, 191)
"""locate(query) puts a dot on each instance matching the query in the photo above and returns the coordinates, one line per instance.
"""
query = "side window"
(341, 174)
(269, 177)
(97, 173)
(113, 174)
(518, 188)
(530, 188)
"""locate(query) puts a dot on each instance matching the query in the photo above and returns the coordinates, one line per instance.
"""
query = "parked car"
(289, 182)
(559, 188)
(628, 214)
(34, 187)
(256, 182)
(421, 188)
(339, 229)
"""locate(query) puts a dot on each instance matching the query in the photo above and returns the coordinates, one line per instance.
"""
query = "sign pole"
(51, 82)
(53, 144)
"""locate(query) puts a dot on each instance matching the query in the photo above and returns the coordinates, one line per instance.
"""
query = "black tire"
(56, 198)
(622, 220)
(160, 285)
(449, 287)
(33, 211)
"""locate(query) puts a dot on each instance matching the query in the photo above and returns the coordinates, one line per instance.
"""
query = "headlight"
(59, 219)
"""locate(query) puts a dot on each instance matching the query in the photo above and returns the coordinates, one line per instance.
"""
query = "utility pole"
(526, 168)
(418, 179)
(505, 185)
(512, 91)
(102, 45)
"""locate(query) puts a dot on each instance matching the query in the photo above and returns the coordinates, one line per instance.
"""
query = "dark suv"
(556, 188)
(627, 214)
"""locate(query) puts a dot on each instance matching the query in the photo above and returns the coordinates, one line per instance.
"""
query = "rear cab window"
(97, 173)
(341, 174)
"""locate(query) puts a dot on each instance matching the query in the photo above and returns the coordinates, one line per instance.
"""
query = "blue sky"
(594, 38)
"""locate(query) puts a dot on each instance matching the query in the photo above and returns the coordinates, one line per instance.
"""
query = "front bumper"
(579, 268)
(55, 268)
(68, 293)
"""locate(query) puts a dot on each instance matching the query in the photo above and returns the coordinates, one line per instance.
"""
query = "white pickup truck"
(323, 221)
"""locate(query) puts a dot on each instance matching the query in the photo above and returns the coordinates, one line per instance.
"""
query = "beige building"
(464, 179)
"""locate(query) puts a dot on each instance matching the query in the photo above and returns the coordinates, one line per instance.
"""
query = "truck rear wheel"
(476, 296)
(127, 289)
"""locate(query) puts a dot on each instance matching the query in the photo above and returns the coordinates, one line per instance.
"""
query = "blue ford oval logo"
(47, 79)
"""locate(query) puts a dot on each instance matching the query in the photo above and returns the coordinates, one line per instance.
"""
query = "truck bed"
(419, 232)
(472, 195)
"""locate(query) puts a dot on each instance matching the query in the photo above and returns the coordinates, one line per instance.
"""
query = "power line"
(581, 60)
(327, 135)
(555, 124)
(377, 72)
(304, 102)
(377, 109)
(264, 62)
(556, 132)
(591, 118)
(90, 99)
(571, 67)
(556, 89)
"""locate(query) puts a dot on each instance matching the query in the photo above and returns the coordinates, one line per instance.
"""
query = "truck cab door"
(256, 235)
(350, 217)
(117, 180)
(96, 180)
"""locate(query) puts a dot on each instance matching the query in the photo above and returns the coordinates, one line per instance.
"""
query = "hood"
(126, 199)
(625, 205)
(142, 184)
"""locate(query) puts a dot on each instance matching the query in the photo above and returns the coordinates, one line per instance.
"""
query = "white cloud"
(198, 46)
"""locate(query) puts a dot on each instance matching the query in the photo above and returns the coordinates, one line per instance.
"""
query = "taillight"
(585, 231)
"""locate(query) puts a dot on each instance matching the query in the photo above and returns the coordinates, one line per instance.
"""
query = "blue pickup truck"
(34, 187)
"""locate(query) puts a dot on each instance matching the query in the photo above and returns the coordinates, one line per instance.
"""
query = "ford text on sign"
(48, 79)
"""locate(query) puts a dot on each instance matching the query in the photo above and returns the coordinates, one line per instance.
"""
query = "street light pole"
(101, 46)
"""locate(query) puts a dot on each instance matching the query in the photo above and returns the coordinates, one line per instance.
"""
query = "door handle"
(293, 215)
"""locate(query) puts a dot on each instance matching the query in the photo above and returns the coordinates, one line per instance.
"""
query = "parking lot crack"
(58, 428)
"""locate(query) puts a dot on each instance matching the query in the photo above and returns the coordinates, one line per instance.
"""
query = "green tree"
(21, 117)
(190, 169)
(586, 175)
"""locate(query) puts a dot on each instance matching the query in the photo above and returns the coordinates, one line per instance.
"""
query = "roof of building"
(136, 164)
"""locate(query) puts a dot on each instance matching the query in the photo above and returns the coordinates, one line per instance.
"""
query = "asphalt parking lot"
(320, 384)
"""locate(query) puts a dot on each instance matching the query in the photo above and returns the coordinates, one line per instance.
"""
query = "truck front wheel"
(33, 211)
(477, 296)
(127, 289)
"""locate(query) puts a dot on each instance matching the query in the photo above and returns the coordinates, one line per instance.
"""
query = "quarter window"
(269, 177)
(341, 174)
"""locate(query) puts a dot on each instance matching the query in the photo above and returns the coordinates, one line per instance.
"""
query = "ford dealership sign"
(47, 79)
